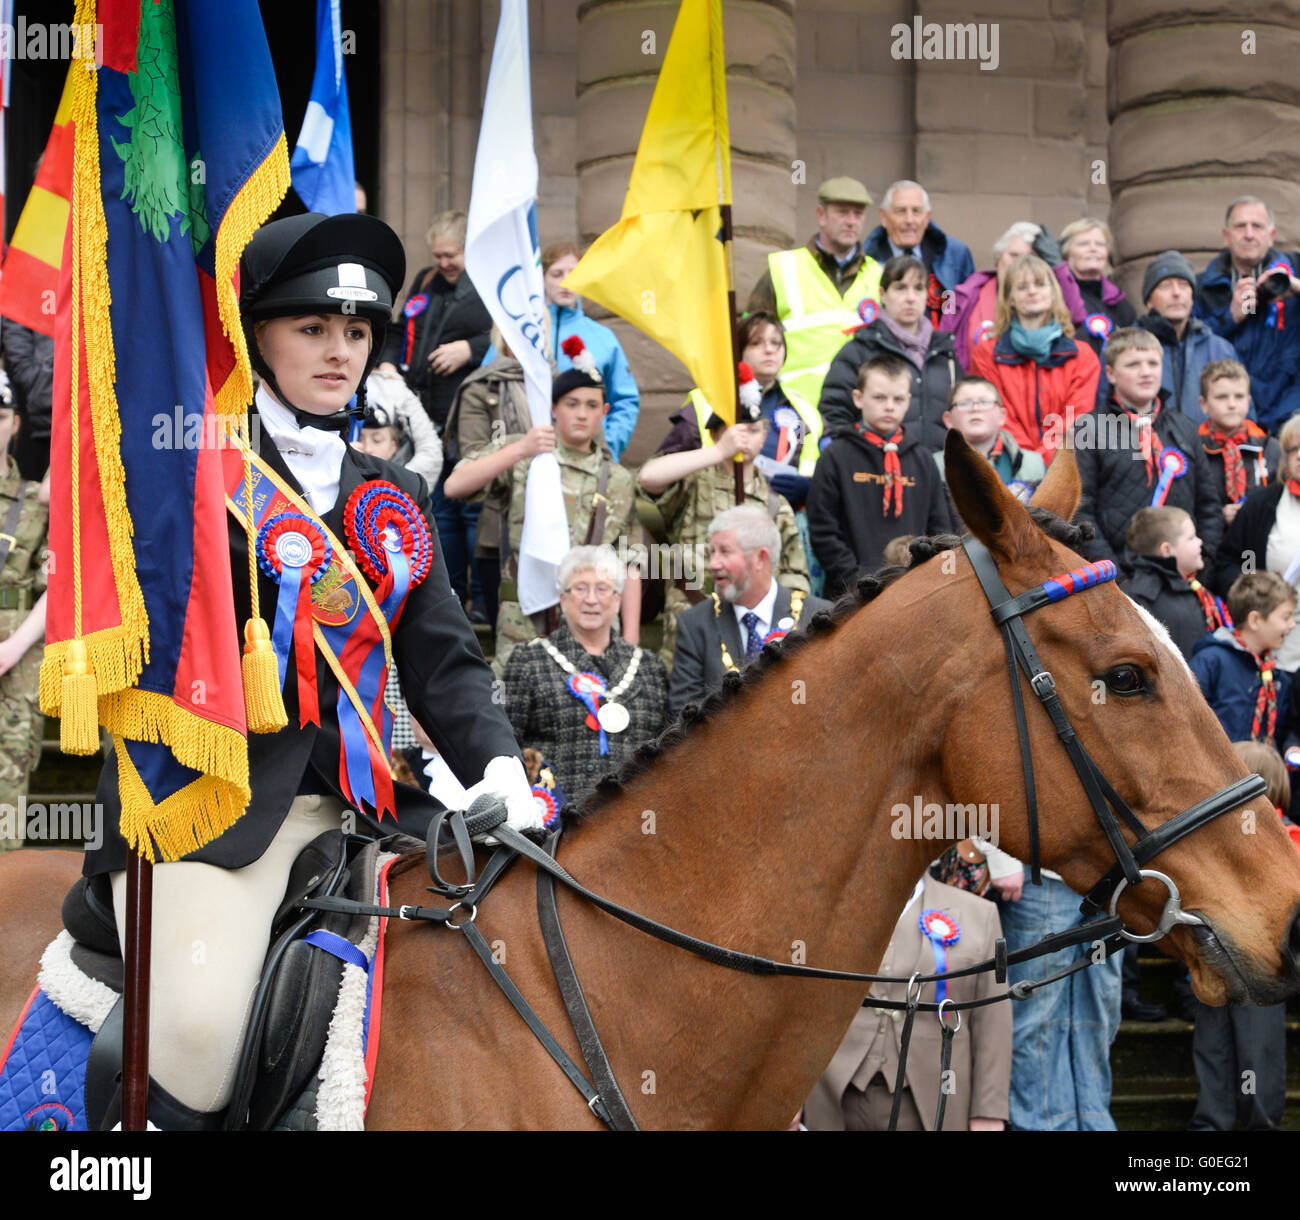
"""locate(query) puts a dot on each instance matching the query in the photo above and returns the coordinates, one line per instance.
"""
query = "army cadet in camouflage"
(690, 489)
(599, 498)
(24, 521)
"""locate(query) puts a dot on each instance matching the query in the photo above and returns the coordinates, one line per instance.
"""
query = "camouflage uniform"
(579, 476)
(22, 581)
(688, 507)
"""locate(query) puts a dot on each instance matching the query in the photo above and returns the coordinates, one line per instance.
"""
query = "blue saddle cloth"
(43, 1073)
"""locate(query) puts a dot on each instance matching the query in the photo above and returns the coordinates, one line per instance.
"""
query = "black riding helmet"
(346, 264)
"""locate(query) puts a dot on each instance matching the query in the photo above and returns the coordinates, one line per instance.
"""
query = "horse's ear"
(1059, 492)
(988, 509)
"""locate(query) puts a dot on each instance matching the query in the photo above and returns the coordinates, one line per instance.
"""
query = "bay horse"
(763, 822)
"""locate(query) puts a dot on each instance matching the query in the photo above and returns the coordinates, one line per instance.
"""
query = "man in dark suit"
(748, 608)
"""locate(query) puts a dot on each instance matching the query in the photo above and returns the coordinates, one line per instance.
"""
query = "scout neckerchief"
(1215, 440)
(1148, 441)
(779, 632)
(1264, 721)
(893, 468)
(320, 602)
(1214, 609)
(604, 713)
(1293, 486)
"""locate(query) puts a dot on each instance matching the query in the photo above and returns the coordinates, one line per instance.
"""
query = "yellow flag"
(664, 267)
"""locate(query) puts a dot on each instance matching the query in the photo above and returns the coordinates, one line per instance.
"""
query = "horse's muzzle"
(1247, 984)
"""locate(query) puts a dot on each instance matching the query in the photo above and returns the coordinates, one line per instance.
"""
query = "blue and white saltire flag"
(503, 261)
(321, 166)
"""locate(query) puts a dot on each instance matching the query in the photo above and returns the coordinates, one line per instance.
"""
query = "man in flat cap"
(816, 289)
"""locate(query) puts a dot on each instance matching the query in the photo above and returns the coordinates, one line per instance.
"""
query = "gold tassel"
(263, 703)
(79, 711)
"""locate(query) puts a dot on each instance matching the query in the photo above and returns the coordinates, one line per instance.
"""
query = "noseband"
(1106, 803)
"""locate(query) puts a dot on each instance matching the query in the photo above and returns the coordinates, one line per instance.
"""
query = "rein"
(605, 1100)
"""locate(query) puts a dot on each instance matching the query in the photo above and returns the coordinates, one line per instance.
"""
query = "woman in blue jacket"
(567, 318)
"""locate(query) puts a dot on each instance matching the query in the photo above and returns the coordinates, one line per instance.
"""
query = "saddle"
(275, 1084)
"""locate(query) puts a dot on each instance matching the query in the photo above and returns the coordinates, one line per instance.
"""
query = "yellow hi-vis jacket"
(817, 319)
(812, 418)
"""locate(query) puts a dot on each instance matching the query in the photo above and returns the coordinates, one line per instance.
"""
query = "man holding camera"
(1249, 295)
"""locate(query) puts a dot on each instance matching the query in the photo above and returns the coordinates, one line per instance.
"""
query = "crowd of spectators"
(860, 352)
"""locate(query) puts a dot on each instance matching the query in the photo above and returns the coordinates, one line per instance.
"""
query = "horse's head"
(1139, 713)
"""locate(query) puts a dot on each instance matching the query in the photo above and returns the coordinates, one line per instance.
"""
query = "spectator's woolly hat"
(1167, 266)
(843, 190)
(583, 375)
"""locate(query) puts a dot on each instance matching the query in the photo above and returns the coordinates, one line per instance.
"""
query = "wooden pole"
(135, 992)
(735, 339)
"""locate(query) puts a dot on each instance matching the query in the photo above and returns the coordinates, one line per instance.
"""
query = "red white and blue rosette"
(590, 689)
(1099, 326)
(390, 538)
(546, 802)
(415, 305)
(777, 633)
(1173, 465)
(294, 552)
(868, 311)
(941, 930)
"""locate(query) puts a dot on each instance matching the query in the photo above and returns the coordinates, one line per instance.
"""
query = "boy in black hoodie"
(874, 483)
(1164, 558)
(1127, 444)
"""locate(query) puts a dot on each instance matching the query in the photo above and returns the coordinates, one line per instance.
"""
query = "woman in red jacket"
(1046, 378)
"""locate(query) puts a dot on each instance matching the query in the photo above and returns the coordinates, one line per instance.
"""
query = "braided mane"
(868, 588)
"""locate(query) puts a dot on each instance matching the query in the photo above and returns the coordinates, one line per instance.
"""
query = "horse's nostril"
(1293, 943)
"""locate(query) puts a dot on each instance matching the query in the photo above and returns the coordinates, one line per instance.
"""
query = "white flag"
(503, 261)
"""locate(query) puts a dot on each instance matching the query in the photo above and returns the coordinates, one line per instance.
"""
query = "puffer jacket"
(1267, 342)
(1041, 400)
(1116, 482)
(930, 386)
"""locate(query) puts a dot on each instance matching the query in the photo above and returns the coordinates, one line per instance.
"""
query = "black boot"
(103, 1092)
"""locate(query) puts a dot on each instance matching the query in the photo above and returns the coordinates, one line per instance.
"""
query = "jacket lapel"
(350, 479)
(781, 607)
(731, 634)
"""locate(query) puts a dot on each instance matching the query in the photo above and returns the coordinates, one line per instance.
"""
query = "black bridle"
(605, 1099)
(1106, 803)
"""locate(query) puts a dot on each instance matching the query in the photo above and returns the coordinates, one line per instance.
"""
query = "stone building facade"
(1149, 113)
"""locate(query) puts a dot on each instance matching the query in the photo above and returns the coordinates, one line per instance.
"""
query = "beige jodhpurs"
(211, 931)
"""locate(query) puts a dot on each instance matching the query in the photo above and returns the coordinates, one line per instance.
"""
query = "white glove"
(504, 777)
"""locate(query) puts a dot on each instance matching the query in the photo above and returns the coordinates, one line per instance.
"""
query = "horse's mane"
(867, 589)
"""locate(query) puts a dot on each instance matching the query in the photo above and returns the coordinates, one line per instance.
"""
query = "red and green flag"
(178, 155)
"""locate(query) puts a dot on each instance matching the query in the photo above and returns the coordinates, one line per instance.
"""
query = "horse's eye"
(1126, 680)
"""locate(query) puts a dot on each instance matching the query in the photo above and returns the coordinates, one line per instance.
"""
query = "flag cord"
(79, 711)
(263, 702)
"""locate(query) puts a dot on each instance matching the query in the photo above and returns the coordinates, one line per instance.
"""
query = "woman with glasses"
(584, 697)
(900, 327)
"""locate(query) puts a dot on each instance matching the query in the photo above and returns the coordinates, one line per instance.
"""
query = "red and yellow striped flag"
(30, 281)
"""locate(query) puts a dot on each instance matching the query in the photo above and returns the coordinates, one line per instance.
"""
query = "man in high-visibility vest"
(817, 289)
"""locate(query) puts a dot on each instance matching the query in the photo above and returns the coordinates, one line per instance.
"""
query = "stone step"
(1147, 1050)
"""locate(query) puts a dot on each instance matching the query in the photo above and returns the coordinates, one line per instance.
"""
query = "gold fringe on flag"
(90, 679)
(252, 204)
(186, 820)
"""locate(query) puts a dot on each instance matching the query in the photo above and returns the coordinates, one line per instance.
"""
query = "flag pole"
(735, 348)
(718, 66)
(135, 993)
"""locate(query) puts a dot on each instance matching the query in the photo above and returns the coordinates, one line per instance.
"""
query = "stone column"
(431, 104)
(1204, 107)
(618, 65)
(1007, 143)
